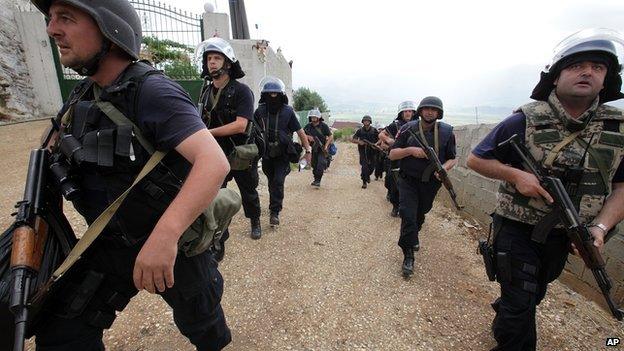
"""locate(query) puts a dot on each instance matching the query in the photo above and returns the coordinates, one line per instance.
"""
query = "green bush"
(343, 134)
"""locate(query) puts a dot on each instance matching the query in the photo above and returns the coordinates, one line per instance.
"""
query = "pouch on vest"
(274, 150)
(208, 228)
(242, 156)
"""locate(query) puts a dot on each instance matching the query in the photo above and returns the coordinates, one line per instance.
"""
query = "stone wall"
(17, 98)
(29, 86)
(478, 194)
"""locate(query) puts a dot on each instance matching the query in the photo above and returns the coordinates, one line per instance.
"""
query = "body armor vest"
(560, 152)
(106, 158)
(421, 165)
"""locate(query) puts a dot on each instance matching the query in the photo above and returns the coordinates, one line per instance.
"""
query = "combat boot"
(274, 219)
(256, 230)
(364, 184)
(408, 262)
(316, 183)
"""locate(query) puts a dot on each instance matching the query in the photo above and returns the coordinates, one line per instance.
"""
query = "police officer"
(227, 110)
(280, 122)
(406, 112)
(418, 186)
(368, 155)
(321, 137)
(380, 160)
(568, 114)
(138, 249)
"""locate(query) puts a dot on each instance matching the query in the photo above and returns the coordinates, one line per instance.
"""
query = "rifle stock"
(577, 232)
(28, 243)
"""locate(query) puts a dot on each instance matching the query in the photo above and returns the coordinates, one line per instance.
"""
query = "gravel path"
(329, 277)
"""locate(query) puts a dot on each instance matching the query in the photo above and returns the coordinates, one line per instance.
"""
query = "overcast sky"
(467, 52)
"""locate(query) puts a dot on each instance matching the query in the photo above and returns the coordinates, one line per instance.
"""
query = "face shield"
(599, 41)
(271, 84)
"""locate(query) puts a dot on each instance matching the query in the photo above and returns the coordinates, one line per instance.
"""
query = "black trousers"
(415, 201)
(319, 164)
(195, 299)
(276, 170)
(247, 182)
(524, 270)
(390, 182)
(379, 165)
(367, 164)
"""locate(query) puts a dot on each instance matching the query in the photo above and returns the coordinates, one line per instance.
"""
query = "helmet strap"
(92, 65)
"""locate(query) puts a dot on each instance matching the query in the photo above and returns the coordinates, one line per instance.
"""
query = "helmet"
(314, 113)
(406, 106)
(117, 20)
(270, 84)
(431, 101)
(594, 44)
(216, 44)
(367, 118)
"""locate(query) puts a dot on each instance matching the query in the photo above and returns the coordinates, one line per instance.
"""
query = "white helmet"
(216, 44)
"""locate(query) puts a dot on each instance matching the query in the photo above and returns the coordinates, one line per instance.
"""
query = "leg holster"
(94, 300)
(511, 270)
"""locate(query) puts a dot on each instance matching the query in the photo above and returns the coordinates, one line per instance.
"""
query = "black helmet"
(216, 44)
(117, 20)
(431, 101)
(596, 45)
(367, 118)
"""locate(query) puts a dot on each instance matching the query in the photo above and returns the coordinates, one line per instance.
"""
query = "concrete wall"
(257, 58)
(478, 194)
(28, 85)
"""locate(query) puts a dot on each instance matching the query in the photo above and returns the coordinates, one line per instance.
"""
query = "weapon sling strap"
(595, 155)
(96, 228)
(436, 141)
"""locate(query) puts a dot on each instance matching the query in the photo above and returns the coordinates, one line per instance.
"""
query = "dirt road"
(329, 277)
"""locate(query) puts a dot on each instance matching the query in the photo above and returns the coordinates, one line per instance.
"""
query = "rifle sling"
(96, 228)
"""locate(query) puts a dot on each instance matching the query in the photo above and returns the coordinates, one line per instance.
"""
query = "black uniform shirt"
(242, 102)
(286, 122)
(371, 135)
(413, 166)
(321, 131)
(514, 124)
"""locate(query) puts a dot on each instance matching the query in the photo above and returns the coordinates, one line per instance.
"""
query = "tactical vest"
(421, 167)
(225, 112)
(107, 156)
(546, 140)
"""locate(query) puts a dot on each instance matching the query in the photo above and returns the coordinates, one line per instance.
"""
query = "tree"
(170, 56)
(306, 99)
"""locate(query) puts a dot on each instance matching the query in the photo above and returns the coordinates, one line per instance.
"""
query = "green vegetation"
(172, 57)
(306, 99)
(343, 134)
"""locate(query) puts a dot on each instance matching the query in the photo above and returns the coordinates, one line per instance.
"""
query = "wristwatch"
(601, 226)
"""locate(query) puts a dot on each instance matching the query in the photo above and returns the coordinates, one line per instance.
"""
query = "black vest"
(111, 157)
(416, 167)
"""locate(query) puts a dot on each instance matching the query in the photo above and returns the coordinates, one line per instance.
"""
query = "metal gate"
(170, 36)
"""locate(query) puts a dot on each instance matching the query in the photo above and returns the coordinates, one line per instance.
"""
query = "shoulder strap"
(95, 229)
(120, 119)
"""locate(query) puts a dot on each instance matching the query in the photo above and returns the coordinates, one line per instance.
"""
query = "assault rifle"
(320, 146)
(373, 146)
(37, 242)
(439, 169)
(566, 213)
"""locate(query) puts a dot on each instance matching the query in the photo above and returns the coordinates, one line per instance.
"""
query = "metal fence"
(170, 36)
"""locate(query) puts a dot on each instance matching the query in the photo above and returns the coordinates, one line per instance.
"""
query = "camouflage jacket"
(550, 141)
